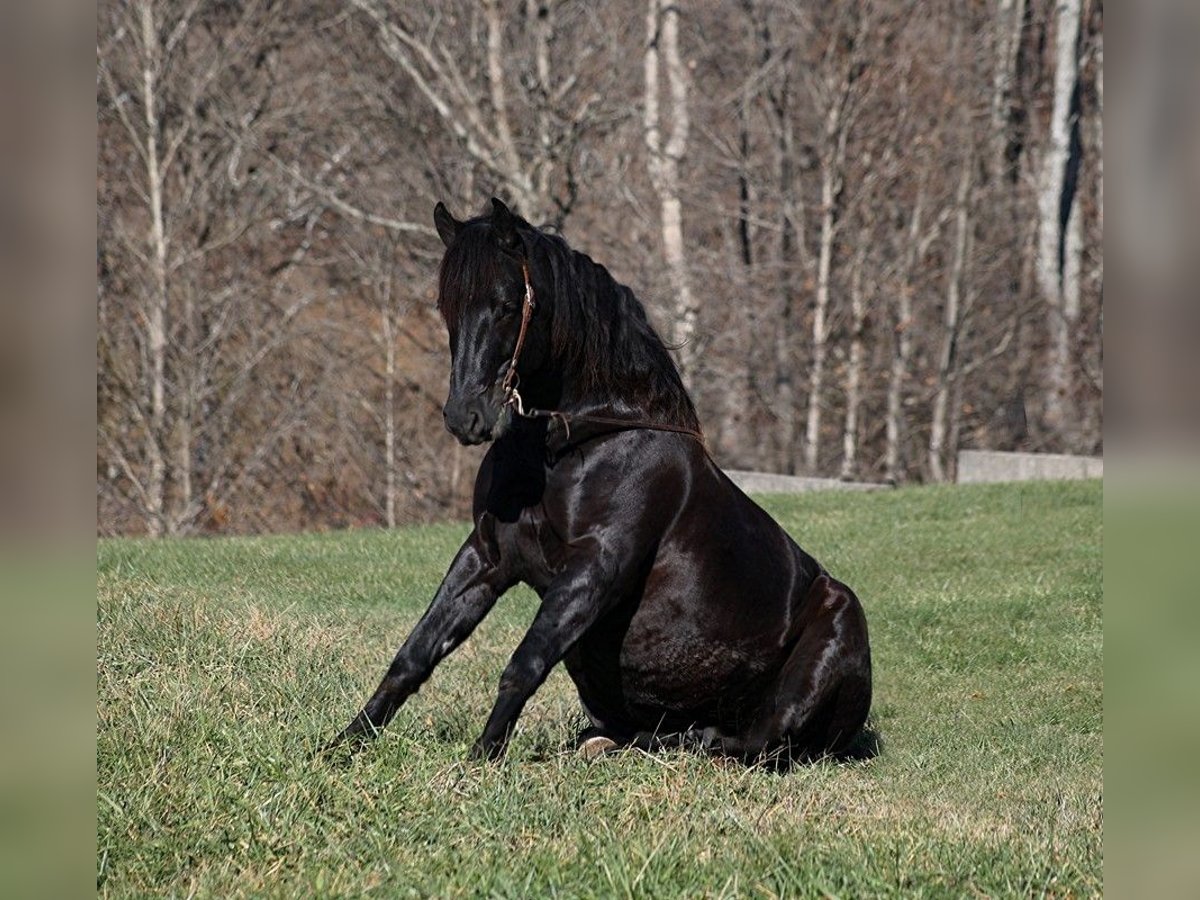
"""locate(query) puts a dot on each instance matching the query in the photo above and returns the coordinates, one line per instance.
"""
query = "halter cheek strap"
(511, 378)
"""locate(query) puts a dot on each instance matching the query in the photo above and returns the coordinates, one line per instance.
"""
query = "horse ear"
(447, 225)
(504, 224)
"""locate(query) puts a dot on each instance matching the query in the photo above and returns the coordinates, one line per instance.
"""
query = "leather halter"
(511, 378)
(512, 397)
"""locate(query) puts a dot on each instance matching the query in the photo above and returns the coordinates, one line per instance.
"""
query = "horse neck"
(645, 389)
(626, 370)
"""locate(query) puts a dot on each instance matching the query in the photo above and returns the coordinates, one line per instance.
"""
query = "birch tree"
(137, 105)
(833, 88)
(948, 356)
(1059, 236)
(664, 158)
(180, 96)
(1007, 23)
(854, 365)
(463, 62)
(791, 249)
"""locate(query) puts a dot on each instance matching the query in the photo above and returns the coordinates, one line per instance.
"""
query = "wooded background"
(872, 229)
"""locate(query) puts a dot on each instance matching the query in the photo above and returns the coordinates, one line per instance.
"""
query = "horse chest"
(527, 547)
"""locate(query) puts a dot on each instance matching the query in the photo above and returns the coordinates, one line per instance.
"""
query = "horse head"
(483, 290)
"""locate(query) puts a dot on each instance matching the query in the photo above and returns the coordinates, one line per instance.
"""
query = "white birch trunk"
(1010, 15)
(388, 327)
(785, 387)
(1091, 427)
(897, 376)
(540, 16)
(831, 164)
(156, 315)
(662, 37)
(528, 199)
(1057, 275)
(187, 385)
(790, 252)
(902, 350)
(858, 313)
(1099, 136)
(948, 356)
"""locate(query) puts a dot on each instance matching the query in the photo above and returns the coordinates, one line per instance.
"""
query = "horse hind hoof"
(595, 746)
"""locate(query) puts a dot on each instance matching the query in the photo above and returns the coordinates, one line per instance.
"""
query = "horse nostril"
(466, 420)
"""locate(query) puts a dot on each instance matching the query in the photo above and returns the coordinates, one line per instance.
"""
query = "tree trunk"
(187, 385)
(831, 163)
(1091, 427)
(528, 199)
(1098, 123)
(1057, 272)
(858, 312)
(156, 316)
(902, 349)
(1009, 18)
(388, 326)
(540, 15)
(785, 331)
(948, 357)
(741, 403)
(662, 29)
(897, 375)
(789, 246)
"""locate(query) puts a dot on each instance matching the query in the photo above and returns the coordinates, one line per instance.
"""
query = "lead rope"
(512, 396)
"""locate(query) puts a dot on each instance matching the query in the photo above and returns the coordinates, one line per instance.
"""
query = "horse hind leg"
(823, 692)
(605, 736)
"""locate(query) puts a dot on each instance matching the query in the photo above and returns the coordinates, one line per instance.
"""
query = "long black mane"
(601, 340)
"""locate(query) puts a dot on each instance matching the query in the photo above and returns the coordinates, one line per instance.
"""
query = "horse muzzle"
(474, 420)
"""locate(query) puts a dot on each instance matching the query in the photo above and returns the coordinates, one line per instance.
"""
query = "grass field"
(222, 663)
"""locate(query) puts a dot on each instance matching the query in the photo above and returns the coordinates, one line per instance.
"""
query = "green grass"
(223, 662)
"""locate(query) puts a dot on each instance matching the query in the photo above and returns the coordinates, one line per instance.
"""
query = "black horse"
(682, 611)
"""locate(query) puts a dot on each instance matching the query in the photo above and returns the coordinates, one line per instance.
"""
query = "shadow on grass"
(867, 744)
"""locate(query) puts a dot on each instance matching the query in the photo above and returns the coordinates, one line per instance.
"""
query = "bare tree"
(833, 89)
(1059, 236)
(791, 253)
(200, 331)
(529, 152)
(664, 160)
(1007, 22)
(948, 356)
(854, 366)
(269, 352)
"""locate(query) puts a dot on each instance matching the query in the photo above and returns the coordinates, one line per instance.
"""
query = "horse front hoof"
(596, 746)
(344, 745)
(485, 752)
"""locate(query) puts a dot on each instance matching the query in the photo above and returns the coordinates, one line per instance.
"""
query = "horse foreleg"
(567, 611)
(467, 593)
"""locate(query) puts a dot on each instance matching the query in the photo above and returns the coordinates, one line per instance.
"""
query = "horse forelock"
(469, 270)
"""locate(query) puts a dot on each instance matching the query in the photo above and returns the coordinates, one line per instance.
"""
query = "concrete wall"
(770, 483)
(975, 466)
